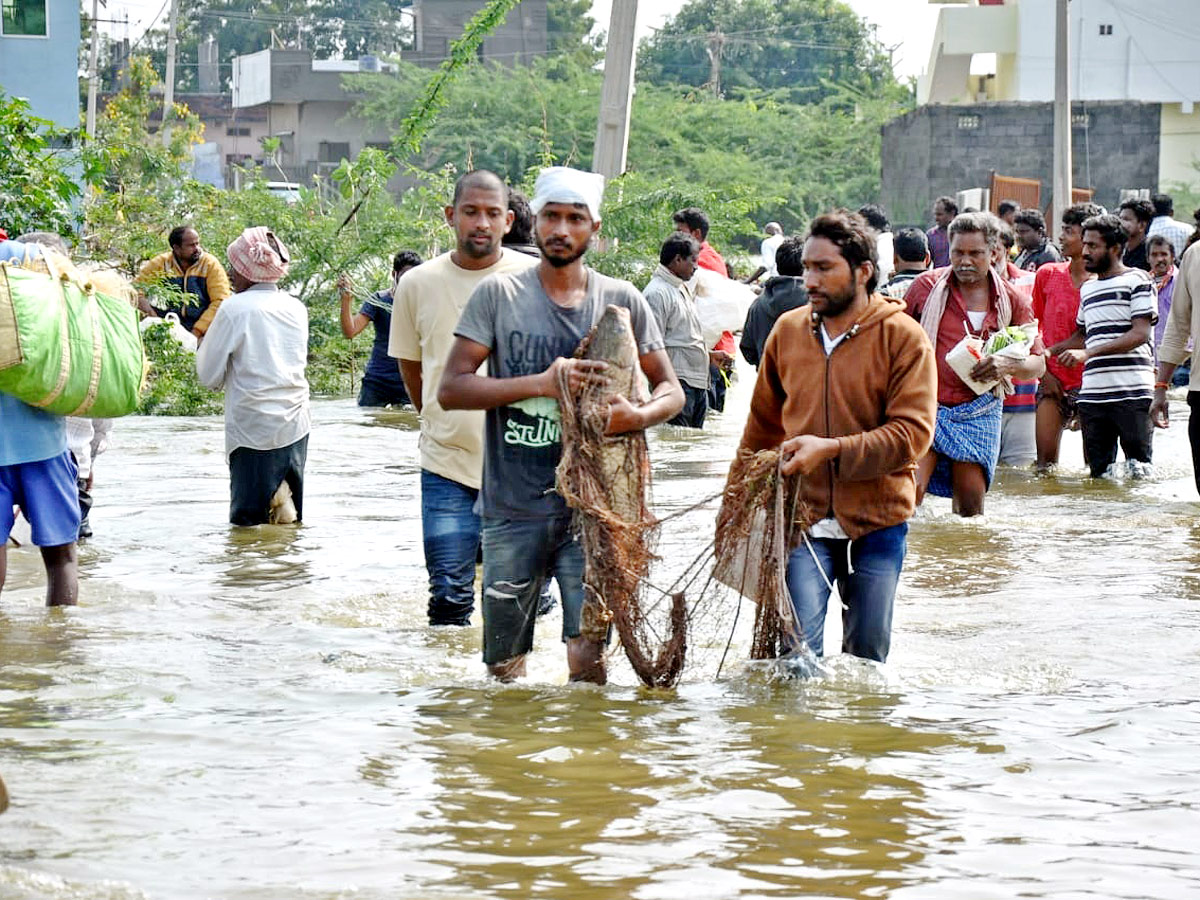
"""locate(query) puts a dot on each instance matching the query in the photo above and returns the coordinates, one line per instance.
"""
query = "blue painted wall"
(45, 70)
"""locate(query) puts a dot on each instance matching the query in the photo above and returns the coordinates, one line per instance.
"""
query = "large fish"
(606, 480)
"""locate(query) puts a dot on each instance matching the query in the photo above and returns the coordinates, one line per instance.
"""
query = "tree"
(37, 186)
(800, 48)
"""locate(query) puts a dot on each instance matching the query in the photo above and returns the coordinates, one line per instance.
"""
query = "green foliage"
(801, 48)
(788, 160)
(330, 28)
(37, 186)
(171, 386)
(568, 25)
(463, 52)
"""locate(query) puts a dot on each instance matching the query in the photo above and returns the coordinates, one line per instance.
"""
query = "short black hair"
(479, 178)
(678, 244)
(1110, 228)
(1160, 240)
(948, 203)
(1008, 237)
(1078, 213)
(976, 223)
(1143, 209)
(175, 238)
(849, 231)
(522, 226)
(1032, 218)
(789, 257)
(911, 245)
(1164, 204)
(405, 259)
(693, 218)
(1007, 206)
(875, 216)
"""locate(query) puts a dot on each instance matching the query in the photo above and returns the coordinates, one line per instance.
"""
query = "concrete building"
(39, 57)
(438, 23)
(989, 84)
(303, 102)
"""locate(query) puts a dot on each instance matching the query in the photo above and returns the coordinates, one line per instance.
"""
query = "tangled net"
(759, 510)
(606, 481)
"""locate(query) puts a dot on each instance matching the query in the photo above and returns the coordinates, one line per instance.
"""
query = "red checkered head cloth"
(259, 256)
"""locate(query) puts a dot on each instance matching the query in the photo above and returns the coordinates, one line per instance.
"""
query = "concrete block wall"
(936, 150)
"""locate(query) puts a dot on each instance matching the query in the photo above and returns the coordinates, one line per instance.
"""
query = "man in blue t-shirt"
(38, 475)
(381, 384)
(526, 325)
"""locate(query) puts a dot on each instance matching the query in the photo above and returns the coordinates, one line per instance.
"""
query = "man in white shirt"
(257, 349)
(1165, 223)
(428, 302)
(766, 265)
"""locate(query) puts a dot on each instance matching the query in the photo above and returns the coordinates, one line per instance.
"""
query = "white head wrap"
(559, 184)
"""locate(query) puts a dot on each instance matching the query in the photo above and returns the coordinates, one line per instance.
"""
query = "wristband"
(1160, 385)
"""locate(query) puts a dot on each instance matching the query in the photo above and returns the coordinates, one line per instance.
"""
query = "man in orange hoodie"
(847, 390)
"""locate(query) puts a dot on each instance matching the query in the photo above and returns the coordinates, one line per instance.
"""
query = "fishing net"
(606, 481)
(759, 510)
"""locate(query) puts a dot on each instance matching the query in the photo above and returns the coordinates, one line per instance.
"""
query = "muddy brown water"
(264, 714)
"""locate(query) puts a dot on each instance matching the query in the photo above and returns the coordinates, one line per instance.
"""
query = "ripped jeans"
(519, 557)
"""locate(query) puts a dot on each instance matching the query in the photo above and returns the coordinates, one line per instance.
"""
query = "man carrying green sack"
(38, 475)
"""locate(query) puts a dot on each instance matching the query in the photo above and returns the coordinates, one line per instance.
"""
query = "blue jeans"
(867, 587)
(519, 557)
(450, 529)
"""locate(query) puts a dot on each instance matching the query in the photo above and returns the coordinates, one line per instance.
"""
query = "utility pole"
(93, 75)
(715, 49)
(169, 92)
(616, 96)
(1061, 183)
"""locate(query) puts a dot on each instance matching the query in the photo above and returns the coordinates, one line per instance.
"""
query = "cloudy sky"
(906, 25)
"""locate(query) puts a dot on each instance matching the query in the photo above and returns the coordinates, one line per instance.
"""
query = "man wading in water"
(968, 297)
(854, 384)
(429, 300)
(526, 325)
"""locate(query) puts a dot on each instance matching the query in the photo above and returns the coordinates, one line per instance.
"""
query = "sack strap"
(97, 353)
(64, 366)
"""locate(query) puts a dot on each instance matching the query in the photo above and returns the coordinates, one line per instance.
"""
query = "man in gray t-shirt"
(526, 326)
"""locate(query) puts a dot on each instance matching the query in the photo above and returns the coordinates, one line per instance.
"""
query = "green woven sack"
(65, 348)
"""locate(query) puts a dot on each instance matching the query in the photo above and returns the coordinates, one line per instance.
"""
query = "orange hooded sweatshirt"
(876, 393)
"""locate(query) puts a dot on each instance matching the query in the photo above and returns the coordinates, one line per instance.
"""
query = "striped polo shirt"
(1107, 308)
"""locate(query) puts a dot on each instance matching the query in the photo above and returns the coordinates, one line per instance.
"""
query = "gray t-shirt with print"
(526, 331)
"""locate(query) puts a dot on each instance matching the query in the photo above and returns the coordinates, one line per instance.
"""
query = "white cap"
(560, 184)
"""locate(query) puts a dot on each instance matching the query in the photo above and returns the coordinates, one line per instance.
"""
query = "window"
(1105, 30)
(237, 131)
(1082, 120)
(23, 18)
(968, 123)
(333, 151)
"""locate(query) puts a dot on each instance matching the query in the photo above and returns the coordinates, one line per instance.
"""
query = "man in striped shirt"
(1112, 342)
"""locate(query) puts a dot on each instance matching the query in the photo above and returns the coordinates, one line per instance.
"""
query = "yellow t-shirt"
(428, 302)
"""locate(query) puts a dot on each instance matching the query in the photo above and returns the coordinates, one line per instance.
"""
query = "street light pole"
(1062, 114)
(616, 96)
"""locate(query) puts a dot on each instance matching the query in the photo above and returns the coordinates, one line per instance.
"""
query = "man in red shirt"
(1056, 305)
(968, 297)
(693, 221)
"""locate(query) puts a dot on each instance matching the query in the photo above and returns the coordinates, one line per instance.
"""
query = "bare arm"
(1074, 342)
(666, 397)
(462, 388)
(1138, 334)
(414, 383)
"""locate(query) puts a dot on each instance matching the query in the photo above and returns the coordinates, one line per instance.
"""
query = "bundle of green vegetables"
(1013, 334)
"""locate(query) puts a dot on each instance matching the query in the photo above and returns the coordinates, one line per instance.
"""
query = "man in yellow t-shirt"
(425, 312)
(195, 272)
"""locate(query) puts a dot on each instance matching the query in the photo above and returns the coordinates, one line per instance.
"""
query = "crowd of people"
(857, 335)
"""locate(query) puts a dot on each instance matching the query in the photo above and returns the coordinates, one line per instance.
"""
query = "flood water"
(264, 713)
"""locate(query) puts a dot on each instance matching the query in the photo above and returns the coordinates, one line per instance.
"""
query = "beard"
(466, 248)
(836, 304)
(560, 260)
